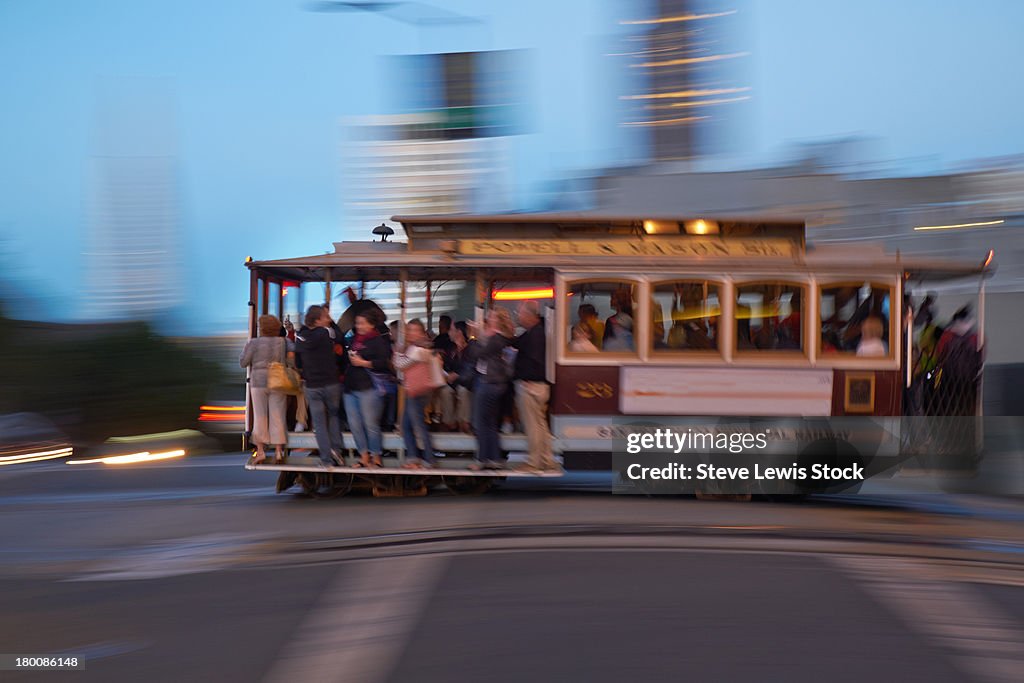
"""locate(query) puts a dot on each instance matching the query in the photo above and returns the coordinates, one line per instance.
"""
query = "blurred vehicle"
(30, 437)
(696, 323)
(222, 416)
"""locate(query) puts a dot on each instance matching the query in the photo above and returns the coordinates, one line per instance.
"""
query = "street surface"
(197, 570)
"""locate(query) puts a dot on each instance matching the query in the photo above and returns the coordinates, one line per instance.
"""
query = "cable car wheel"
(317, 484)
(285, 480)
(338, 484)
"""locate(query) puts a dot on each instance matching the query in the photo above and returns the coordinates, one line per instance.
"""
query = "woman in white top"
(268, 407)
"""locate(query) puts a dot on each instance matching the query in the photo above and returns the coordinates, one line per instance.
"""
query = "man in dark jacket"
(532, 388)
(314, 345)
(456, 399)
(443, 343)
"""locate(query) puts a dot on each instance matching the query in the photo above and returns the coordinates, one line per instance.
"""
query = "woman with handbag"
(268, 406)
(421, 374)
(367, 372)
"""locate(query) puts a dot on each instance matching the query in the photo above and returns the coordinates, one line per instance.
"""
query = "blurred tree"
(97, 381)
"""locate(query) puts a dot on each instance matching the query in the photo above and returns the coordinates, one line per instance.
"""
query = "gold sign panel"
(686, 247)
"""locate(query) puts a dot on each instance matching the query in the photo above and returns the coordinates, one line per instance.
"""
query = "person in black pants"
(314, 345)
(493, 378)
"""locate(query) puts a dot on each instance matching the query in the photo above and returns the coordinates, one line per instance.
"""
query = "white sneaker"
(299, 427)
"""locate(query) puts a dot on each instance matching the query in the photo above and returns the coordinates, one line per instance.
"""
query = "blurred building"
(688, 76)
(445, 150)
(132, 256)
(131, 263)
(403, 164)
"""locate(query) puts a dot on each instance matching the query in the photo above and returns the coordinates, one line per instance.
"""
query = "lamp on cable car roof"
(384, 231)
(701, 227)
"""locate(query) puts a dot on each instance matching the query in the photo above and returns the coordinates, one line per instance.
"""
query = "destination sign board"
(693, 247)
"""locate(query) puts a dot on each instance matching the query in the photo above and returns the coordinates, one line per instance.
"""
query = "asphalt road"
(196, 570)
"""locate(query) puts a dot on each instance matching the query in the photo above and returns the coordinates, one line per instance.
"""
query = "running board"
(428, 472)
(458, 442)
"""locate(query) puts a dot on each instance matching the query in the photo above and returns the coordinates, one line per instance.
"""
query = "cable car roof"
(525, 246)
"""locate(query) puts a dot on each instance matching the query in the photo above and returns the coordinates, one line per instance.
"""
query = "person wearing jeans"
(367, 374)
(314, 344)
(324, 406)
(363, 409)
(488, 398)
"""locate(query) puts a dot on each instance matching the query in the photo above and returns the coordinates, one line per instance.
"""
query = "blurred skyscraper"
(403, 164)
(689, 78)
(132, 264)
(446, 150)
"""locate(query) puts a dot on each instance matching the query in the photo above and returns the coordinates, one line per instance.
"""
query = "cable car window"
(768, 317)
(855, 319)
(684, 316)
(601, 317)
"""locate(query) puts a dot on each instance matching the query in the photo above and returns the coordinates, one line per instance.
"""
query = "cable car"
(648, 319)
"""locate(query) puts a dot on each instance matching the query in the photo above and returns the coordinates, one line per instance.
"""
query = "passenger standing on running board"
(493, 375)
(315, 345)
(532, 388)
(416, 362)
(367, 375)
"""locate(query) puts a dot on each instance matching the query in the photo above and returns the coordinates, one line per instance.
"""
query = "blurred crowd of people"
(348, 372)
(947, 363)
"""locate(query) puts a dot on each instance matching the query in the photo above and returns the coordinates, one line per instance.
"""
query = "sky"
(251, 95)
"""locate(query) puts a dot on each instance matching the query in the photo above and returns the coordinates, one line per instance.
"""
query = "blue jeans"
(415, 427)
(323, 408)
(487, 402)
(363, 409)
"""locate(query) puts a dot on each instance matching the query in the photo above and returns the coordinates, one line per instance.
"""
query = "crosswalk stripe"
(361, 623)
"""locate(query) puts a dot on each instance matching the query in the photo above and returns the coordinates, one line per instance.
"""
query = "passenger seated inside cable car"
(845, 308)
(692, 308)
(612, 301)
(773, 313)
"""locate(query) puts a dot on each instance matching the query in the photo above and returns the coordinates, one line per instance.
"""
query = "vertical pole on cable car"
(327, 287)
(981, 313)
(254, 288)
(481, 298)
(280, 300)
(403, 277)
(727, 324)
(979, 442)
(430, 307)
(908, 351)
(265, 303)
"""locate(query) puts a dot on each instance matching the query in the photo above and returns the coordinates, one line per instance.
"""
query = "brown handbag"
(283, 378)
